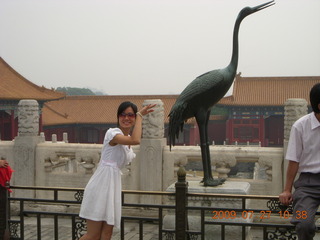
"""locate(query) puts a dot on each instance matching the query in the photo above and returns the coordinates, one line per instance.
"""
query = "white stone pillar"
(151, 151)
(25, 145)
(294, 109)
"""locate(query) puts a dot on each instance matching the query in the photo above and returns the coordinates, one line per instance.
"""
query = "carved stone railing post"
(223, 161)
(88, 164)
(222, 170)
(293, 110)
(151, 150)
(25, 145)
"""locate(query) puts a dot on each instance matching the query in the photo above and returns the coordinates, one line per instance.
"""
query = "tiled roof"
(269, 91)
(13, 86)
(248, 91)
(95, 109)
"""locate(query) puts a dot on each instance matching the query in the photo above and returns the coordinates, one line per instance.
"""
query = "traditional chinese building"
(256, 107)
(253, 114)
(87, 118)
(13, 88)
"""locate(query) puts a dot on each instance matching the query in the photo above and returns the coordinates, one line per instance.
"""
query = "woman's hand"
(3, 163)
(147, 109)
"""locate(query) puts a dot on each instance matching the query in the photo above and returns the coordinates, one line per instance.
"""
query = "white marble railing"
(71, 165)
(223, 158)
(63, 164)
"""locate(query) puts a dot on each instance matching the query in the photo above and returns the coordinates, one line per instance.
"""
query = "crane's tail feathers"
(176, 123)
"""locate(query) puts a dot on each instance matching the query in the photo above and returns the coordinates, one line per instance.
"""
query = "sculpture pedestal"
(194, 219)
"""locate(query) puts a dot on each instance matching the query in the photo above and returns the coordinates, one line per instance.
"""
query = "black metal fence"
(17, 226)
(207, 218)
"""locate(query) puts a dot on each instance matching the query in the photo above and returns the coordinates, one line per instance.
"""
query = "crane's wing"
(203, 92)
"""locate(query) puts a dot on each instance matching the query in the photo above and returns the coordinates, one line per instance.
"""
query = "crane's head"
(249, 10)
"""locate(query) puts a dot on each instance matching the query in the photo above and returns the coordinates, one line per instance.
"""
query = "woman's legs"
(94, 229)
(106, 232)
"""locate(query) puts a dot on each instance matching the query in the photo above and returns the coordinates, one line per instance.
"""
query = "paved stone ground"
(150, 231)
(65, 231)
(131, 230)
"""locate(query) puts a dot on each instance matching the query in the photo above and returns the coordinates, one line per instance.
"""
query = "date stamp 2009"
(247, 214)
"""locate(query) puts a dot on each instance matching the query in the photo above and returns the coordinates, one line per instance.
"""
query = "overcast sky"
(135, 47)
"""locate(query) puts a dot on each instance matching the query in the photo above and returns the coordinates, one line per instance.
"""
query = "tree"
(73, 91)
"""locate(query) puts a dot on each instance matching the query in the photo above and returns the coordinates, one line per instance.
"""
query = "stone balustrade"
(224, 157)
(71, 165)
(63, 164)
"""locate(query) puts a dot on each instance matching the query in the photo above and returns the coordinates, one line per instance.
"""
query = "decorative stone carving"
(87, 161)
(223, 162)
(48, 165)
(153, 123)
(266, 162)
(180, 160)
(151, 151)
(223, 169)
(88, 164)
(23, 152)
(28, 115)
(60, 161)
(294, 109)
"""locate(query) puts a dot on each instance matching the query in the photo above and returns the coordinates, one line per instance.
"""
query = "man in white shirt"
(303, 155)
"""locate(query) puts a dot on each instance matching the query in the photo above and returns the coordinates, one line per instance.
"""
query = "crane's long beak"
(263, 6)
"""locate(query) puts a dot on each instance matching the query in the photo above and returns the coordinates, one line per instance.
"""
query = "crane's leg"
(202, 120)
(215, 181)
(207, 146)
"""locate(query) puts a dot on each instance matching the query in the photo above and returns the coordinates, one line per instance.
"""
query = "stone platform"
(214, 231)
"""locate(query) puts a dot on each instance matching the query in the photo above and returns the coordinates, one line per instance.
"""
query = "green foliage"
(72, 91)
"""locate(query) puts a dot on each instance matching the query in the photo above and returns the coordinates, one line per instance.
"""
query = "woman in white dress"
(101, 205)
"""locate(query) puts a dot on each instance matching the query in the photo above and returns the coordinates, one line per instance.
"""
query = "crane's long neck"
(232, 67)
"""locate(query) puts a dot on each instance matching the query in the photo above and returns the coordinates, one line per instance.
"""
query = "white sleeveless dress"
(102, 195)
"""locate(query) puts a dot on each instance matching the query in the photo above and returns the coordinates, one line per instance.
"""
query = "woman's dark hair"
(123, 106)
(315, 97)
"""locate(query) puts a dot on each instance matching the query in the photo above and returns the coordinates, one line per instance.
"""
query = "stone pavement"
(65, 231)
(150, 231)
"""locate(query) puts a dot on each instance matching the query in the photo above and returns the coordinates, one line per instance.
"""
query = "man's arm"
(286, 196)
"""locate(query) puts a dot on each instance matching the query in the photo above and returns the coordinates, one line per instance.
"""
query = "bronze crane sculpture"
(197, 99)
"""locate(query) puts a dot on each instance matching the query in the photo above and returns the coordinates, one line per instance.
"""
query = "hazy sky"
(154, 46)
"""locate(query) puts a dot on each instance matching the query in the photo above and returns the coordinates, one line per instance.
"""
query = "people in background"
(5, 174)
(3, 163)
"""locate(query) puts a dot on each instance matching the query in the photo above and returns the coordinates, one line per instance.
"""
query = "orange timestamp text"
(247, 214)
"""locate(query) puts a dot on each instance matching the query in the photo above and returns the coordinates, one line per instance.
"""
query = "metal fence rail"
(181, 209)
(17, 226)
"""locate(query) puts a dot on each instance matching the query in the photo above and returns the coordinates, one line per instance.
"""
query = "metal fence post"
(181, 204)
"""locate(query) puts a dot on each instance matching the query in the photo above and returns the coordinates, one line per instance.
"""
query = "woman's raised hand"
(147, 109)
